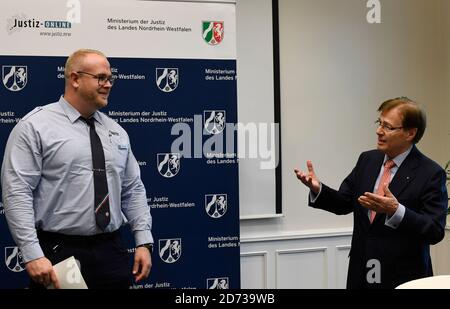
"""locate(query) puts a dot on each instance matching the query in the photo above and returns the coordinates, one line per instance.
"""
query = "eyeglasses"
(386, 127)
(101, 78)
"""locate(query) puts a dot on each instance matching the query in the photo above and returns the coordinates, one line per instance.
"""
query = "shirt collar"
(398, 160)
(73, 114)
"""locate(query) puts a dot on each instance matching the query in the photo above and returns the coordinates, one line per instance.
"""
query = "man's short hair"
(75, 60)
(413, 116)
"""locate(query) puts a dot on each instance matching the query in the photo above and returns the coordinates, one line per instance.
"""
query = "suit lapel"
(406, 173)
(372, 172)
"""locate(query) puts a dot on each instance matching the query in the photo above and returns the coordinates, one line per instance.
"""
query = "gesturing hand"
(387, 204)
(309, 179)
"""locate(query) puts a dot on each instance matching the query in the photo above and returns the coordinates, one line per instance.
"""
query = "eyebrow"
(386, 122)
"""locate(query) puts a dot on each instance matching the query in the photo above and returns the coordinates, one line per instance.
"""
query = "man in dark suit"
(398, 198)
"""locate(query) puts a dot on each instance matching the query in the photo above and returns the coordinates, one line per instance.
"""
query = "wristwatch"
(148, 246)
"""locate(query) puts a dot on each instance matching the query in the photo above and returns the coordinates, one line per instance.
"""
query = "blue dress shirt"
(47, 178)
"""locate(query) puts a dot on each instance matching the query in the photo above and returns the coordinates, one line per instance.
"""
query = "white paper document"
(69, 275)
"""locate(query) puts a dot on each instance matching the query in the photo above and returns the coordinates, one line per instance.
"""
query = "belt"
(44, 235)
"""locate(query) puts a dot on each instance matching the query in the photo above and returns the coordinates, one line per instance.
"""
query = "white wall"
(445, 103)
(442, 250)
(335, 71)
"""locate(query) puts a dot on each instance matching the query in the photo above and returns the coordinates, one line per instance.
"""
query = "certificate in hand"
(69, 275)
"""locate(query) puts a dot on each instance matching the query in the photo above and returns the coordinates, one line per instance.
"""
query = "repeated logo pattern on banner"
(175, 95)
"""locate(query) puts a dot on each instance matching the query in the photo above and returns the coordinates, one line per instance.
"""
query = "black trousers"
(104, 261)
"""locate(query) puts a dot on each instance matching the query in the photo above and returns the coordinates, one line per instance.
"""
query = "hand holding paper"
(69, 275)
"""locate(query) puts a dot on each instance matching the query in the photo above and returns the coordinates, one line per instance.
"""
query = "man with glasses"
(398, 198)
(68, 179)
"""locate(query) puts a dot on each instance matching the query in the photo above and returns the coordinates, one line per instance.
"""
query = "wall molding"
(307, 253)
(265, 266)
(299, 252)
(323, 233)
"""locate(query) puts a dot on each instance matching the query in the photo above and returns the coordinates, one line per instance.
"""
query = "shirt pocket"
(119, 153)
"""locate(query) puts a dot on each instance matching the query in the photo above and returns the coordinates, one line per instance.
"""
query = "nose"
(107, 84)
(379, 131)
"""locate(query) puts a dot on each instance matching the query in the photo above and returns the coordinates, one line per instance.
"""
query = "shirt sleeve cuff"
(313, 196)
(143, 237)
(31, 252)
(397, 218)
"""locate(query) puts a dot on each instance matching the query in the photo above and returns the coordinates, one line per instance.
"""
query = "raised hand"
(309, 179)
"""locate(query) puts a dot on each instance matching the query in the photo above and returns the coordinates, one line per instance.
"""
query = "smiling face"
(90, 91)
(393, 138)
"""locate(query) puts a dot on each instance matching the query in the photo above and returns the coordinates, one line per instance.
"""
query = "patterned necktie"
(101, 200)
(384, 180)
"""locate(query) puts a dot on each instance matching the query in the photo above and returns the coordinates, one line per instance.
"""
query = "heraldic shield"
(213, 32)
(216, 205)
(13, 259)
(214, 121)
(170, 250)
(14, 77)
(167, 79)
(168, 164)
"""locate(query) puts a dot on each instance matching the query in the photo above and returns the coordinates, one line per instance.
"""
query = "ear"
(410, 134)
(74, 80)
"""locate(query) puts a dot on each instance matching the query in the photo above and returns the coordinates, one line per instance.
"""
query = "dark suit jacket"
(404, 252)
